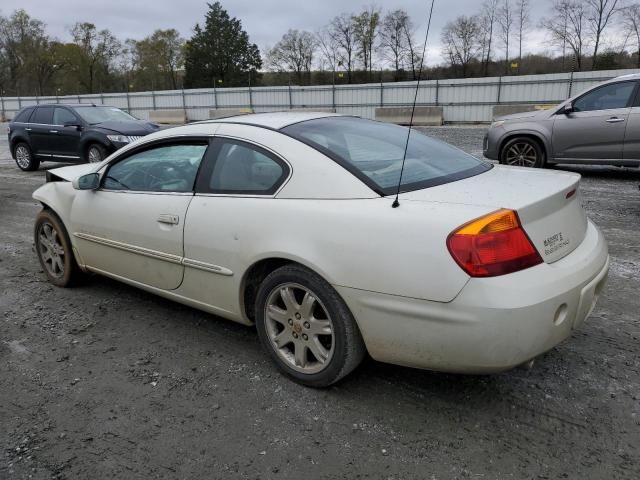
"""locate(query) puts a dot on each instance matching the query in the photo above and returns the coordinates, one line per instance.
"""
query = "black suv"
(71, 133)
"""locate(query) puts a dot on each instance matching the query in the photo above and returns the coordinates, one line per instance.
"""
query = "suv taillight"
(493, 245)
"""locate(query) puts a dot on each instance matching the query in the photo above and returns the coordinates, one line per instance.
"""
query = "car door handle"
(28, 129)
(615, 120)
(169, 219)
(53, 131)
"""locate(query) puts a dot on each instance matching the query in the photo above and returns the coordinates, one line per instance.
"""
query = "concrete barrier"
(228, 112)
(168, 117)
(423, 116)
(502, 110)
(313, 109)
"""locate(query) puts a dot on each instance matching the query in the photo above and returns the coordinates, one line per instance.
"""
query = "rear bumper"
(494, 323)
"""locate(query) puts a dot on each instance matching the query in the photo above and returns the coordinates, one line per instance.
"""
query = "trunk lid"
(548, 203)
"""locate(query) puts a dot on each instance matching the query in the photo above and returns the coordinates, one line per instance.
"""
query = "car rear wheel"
(96, 153)
(306, 327)
(522, 152)
(24, 157)
(54, 250)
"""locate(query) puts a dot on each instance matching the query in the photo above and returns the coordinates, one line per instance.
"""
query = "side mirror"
(73, 123)
(567, 109)
(90, 181)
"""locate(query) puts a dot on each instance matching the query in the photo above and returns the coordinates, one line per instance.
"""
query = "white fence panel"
(464, 100)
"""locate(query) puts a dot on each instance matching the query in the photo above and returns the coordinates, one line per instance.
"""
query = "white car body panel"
(413, 303)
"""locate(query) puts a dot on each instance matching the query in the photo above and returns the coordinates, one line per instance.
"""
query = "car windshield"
(95, 115)
(373, 151)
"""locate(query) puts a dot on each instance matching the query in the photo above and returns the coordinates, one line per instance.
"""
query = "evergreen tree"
(220, 52)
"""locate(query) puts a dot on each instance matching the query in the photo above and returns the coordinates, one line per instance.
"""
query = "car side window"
(62, 115)
(43, 116)
(164, 168)
(23, 117)
(243, 168)
(613, 95)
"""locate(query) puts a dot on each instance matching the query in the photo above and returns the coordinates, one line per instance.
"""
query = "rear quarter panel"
(364, 244)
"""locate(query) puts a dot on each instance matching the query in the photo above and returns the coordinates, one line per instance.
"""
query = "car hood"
(133, 127)
(72, 172)
(525, 115)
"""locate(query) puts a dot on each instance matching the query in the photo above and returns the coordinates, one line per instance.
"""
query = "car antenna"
(396, 202)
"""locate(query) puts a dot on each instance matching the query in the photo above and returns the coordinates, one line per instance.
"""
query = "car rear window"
(24, 115)
(373, 151)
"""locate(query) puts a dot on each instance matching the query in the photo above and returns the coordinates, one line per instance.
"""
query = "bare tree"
(599, 16)
(342, 31)
(328, 47)
(97, 49)
(523, 14)
(414, 50)
(488, 18)
(460, 41)
(567, 26)
(365, 29)
(505, 20)
(294, 52)
(393, 42)
(632, 23)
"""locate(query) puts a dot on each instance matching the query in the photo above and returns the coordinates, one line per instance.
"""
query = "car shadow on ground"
(595, 171)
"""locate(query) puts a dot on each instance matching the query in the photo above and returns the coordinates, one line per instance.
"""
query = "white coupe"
(287, 221)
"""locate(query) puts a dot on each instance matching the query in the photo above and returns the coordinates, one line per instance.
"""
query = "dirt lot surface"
(106, 381)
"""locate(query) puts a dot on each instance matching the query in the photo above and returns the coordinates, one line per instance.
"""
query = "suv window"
(614, 95)
(62, 115)
(165, 168)
(24, 115)
(43, 115)
(242, 168)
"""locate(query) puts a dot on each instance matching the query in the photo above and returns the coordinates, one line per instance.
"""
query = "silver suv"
(599, 126)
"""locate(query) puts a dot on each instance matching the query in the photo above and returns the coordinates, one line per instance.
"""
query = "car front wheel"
(96, 153)
(306, 327)
(24, 157)
(522, 152)
(54, 250)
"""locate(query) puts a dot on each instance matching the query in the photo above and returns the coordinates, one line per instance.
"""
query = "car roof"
(629, 76)
(274, 120)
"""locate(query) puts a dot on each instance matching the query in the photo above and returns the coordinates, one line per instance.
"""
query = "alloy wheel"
(94, 155)
(23, 156)
(51, 250)
(522, 154)
(299, 328)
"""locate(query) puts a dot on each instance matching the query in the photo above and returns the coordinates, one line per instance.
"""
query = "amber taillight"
(493, 245)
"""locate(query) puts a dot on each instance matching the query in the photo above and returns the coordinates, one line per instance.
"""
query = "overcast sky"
(265, 21)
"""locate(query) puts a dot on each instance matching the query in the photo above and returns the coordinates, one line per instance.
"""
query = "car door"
(42, 129)
(65, 143)
(235, 176)
(595, 130)
(631, 151)
(132, 226)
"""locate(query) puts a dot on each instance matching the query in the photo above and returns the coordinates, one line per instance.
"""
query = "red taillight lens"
(495, 244)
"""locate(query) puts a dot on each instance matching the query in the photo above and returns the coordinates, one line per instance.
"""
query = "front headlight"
(118, 138)
(499, 123)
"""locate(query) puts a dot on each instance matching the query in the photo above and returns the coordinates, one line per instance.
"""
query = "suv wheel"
(522, 152)
(24, 157)
(96, 153)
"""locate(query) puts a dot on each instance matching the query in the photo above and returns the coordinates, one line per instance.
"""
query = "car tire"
(96, 153)
(54, 250)
(308, 331)
(522, 152)
(24, 157)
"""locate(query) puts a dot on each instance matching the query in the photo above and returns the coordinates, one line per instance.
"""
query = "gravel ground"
(106, 381)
